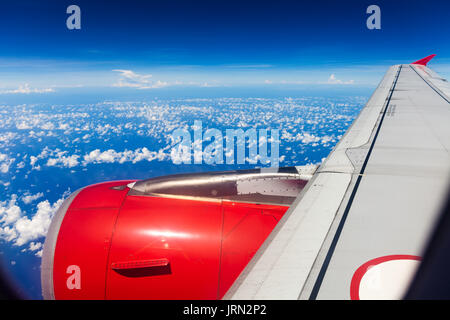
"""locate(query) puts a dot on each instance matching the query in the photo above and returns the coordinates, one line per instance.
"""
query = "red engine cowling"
(175, 237)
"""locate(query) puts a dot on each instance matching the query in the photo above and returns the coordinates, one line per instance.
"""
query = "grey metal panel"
(402, 190)
(384, 183)
(272, 185)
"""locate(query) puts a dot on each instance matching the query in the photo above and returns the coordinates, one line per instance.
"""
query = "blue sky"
(206, 44)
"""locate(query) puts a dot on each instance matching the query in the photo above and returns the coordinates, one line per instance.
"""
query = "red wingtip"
(425, 60)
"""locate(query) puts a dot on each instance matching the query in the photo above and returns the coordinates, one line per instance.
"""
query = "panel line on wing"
(332, 248)
(431, 86)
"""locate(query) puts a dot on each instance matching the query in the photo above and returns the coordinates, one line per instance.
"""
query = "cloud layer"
(26, 89)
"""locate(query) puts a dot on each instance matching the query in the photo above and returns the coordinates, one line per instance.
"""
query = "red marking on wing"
(361, 271)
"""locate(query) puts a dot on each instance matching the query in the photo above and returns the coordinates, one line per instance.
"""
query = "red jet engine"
(186, 236)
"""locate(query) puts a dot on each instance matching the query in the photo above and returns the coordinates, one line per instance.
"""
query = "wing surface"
(375, 199)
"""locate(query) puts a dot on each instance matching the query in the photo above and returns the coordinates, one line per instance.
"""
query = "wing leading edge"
(373, 201)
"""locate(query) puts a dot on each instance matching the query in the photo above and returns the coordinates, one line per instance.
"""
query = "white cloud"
(96, 156)
(111, 156)
(32, 197)
(207, 84)
(36, 227)
(6, 184)
(10, 212)
(5, 162)
(35, 246)
(20, 229)
(63, 161)
(4, 167)
(157, 84)
(332, 80)
(23, 126)
(140, 81)
(7, 137)
(55, 158)
(21, 165)
(33, 160)
(26, 89)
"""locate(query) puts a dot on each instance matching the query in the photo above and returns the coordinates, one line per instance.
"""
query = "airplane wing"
(359, 227)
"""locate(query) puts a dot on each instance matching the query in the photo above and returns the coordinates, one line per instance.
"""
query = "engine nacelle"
(175, 237)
